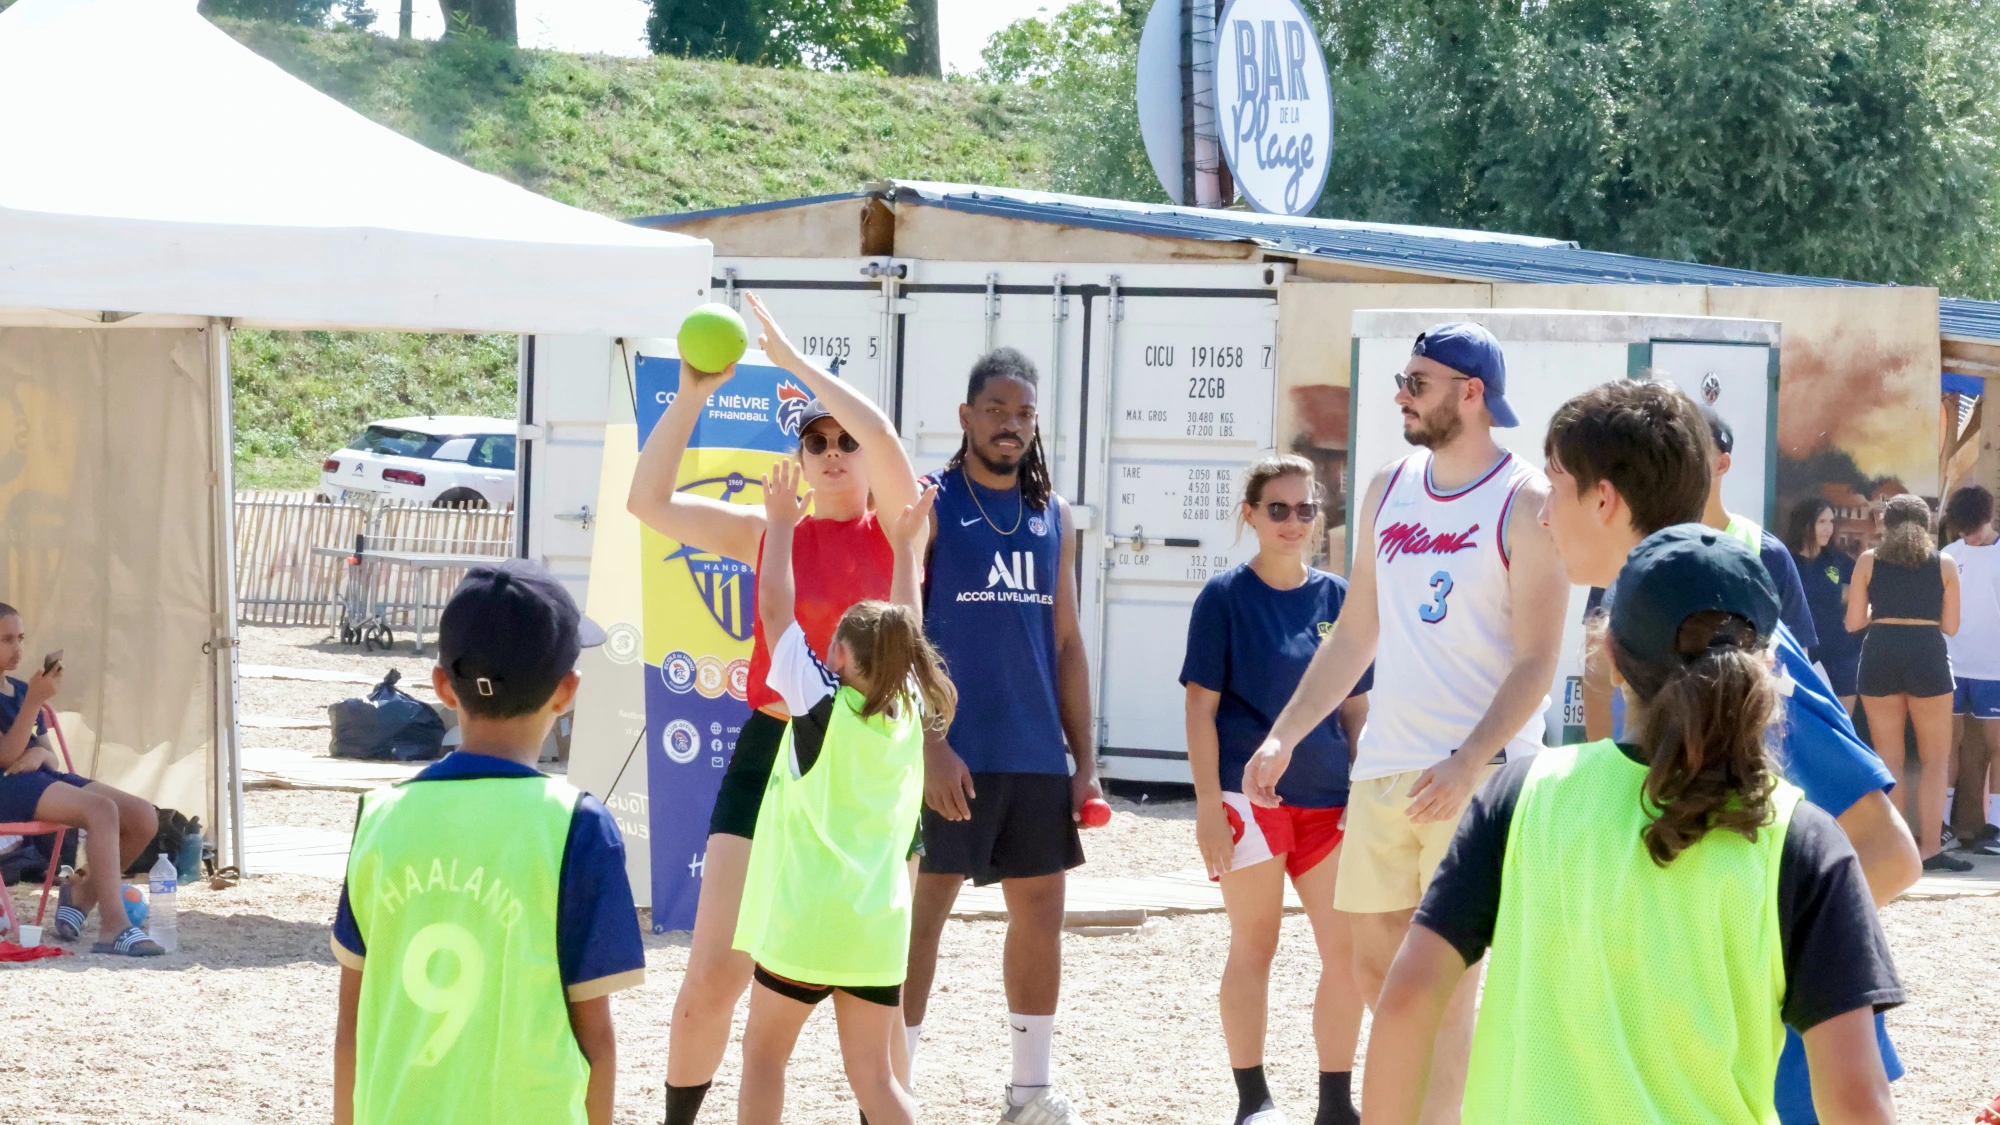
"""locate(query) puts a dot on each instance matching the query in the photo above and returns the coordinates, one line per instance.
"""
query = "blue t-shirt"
(1826, 759)
(990, 608)
(10, 707)
(597, 928)
(1251, 644)
(1825, 579)
(1793, 609)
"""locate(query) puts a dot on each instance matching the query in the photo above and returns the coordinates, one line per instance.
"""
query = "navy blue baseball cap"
(1471, 350)
(509, 634)
(1680, 571)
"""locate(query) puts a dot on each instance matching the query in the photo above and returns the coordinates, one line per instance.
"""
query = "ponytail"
(1702, 725)
(897, 660)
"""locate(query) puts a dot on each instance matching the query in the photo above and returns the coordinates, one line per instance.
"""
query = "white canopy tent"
(159, 185)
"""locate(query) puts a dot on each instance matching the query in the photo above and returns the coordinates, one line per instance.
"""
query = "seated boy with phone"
(33, 786)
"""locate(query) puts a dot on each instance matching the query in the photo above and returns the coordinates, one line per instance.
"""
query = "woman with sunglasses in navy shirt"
(1254, 629)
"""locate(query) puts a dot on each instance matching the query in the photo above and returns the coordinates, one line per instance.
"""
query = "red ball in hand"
(1096, 813)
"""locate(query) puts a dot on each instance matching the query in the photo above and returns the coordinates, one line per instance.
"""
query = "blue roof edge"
(675, 218)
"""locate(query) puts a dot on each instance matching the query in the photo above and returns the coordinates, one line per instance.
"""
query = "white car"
(436, 460)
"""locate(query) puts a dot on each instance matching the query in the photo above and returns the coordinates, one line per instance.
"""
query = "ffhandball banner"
(698, 612)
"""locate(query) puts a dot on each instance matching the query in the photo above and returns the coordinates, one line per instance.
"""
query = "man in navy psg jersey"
(1004, 788)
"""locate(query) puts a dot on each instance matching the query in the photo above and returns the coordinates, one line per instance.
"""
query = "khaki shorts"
(1388, 862)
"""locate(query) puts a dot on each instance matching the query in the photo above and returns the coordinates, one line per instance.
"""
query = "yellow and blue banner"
(698, 611)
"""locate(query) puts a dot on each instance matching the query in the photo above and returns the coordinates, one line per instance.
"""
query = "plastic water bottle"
(162, 891)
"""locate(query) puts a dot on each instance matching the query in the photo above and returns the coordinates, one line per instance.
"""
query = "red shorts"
(1303, 836)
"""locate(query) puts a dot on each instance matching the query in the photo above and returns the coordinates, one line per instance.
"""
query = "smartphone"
(52, 661)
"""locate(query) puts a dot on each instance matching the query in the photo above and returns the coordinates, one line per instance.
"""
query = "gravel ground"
(238, 1025)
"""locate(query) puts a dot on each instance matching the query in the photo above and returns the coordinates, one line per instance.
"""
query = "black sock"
(1252, 1094)
(1336, 1105)
(683, 1102)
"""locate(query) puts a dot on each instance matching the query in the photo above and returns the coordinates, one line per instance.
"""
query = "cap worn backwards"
(1680, 571)
(509, 635)
(1471, 350)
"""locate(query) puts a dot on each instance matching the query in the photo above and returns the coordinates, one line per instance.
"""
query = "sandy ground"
(238, 1025)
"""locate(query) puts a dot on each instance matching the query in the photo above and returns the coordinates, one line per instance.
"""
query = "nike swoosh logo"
(1022, 1030)
(968, 523)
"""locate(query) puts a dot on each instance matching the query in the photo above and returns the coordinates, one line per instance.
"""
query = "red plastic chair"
(38, 828)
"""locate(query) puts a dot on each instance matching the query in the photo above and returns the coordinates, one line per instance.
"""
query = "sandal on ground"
(1944, 861)
(224, 878)
(132, 943)
(68, 925)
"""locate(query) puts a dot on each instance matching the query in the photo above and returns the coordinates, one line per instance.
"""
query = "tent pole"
(222, 491)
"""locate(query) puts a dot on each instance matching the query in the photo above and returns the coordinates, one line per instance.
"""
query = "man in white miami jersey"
(1457, 597)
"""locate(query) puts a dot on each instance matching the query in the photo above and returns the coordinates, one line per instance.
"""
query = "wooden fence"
(280, 579)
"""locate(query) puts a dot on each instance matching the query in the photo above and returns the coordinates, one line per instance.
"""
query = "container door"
(836, 310)
(1190, 403)
(1741, 382)
(566, 399)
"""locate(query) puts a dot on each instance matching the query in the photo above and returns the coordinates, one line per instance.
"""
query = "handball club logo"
(1036, 526)
(710, 676)
(680, 741)
(677, 671)
(737, 679)
(792, 400)
(727, 587)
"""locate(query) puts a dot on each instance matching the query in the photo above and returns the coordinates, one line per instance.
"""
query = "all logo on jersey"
(1416, 539)
(1011, 578)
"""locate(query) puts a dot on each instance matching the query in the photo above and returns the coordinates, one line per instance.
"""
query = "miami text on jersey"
(1416, 539)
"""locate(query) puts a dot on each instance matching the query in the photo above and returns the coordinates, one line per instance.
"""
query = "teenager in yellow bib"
(1658, 911)
(486, 917)
(826, 902)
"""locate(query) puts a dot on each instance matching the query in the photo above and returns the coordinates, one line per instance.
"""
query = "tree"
(822, 34)
(492, 18)
(922, 51)
(1084, 60)
(308, 13)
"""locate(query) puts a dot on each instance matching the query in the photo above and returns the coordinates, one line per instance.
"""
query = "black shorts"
(1905, 660)
(887, 995)
(1020, 829)
(742, 792)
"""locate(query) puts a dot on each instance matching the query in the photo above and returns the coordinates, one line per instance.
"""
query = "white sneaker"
(1048, 1108)
(1270, 1116)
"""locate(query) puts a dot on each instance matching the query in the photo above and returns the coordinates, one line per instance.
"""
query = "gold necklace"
(1020, 509)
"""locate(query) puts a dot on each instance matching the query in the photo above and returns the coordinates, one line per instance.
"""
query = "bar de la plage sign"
(1274, 104)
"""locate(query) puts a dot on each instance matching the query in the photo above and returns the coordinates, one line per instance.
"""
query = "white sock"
(912, 1034)
(1033, 1038)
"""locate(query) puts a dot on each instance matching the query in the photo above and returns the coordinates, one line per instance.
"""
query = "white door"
(566, 399)
(1739, 381)
(1191, 395)
(836, 310)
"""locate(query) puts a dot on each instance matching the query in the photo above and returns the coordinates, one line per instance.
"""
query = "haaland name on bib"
(1275, 104)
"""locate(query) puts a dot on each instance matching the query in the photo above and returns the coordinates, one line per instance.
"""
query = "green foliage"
(305, 13)
(301, 395)
(618, 136)
(1084, 62)
(864, 35)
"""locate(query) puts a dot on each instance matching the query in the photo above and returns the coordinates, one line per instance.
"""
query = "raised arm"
(908, 532)
(783, 508)
(730, 530)
(1539, 588)
(891, 477)
(1338, 665)
(1857, 592)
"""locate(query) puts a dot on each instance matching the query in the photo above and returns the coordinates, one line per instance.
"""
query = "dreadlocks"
(1033, 470)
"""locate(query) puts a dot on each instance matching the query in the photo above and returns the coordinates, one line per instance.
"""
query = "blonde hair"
(1275, 467)
(897, 660)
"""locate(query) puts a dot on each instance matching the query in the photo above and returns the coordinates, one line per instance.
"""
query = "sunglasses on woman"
(815, 443)
(1279, 511)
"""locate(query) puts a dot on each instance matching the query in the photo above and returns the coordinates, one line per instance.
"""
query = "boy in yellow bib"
(1657, 911)
(486, 917)
(826, 902)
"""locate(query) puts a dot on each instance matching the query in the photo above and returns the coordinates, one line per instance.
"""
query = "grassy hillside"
(623, 137)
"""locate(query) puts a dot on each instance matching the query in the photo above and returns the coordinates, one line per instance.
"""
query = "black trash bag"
(174, 827)
(388, 724)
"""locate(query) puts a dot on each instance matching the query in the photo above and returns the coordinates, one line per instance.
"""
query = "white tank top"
(1975, 648)
(1447, 637)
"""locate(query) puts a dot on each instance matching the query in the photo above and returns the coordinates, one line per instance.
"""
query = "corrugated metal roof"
(1435, 251)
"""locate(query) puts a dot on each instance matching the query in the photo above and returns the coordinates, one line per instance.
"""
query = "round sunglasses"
(1279, 511)
(816, 442)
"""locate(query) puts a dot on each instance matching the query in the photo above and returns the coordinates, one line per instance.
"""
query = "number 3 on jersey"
(1433, 611)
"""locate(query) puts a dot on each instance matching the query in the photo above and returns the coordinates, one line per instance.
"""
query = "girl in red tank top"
(848, 451)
